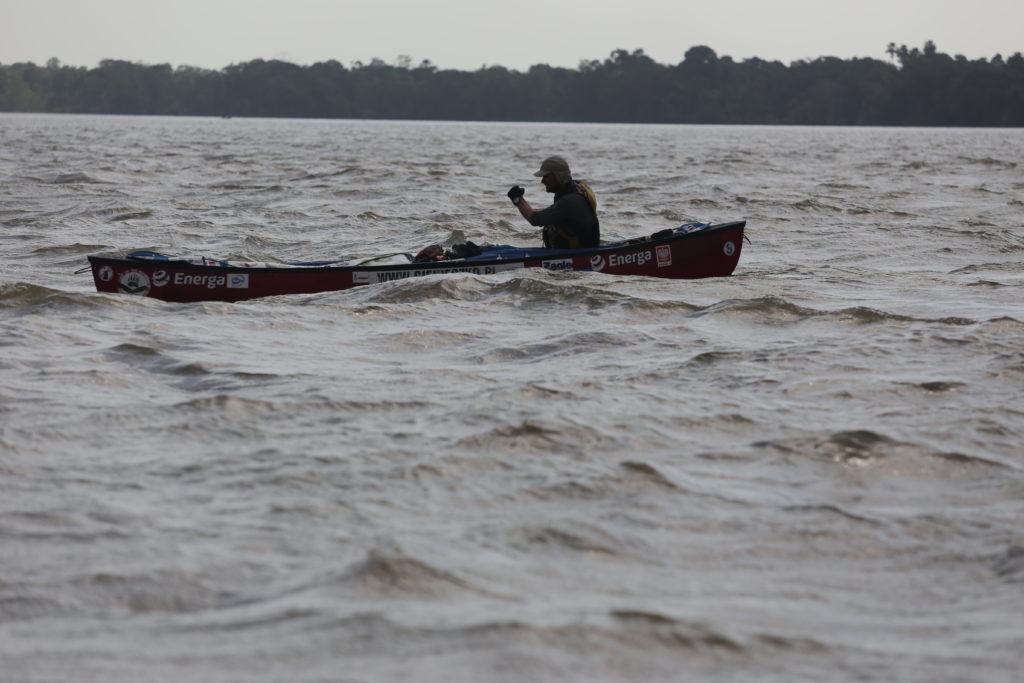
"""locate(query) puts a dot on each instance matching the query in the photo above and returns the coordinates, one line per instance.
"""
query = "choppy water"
(812, 470)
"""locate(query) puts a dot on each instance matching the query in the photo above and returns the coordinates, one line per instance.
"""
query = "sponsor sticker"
(160, 278)
(377, 276)
(664, 255)
(558, 264)
(106, 274)
(729, 249)
(238, 281)
(635, 258)
(133, 282)
(208, 281)
(381, 276)
(597, 262)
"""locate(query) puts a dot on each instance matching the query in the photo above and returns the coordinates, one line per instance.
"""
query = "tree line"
(915, 87)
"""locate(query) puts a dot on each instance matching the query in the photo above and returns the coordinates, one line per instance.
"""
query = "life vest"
(557, 237)
(583, 188)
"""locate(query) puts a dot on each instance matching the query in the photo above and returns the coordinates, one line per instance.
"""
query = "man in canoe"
(571, 222)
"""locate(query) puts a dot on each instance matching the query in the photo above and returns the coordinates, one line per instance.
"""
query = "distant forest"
(917, 87)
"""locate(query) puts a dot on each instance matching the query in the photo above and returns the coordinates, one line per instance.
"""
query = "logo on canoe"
(134, 282)
(106, 274)
(160, 278)
(558, 264)
(238, 281)
(636, 258)
(597, 262)
(729, 249)
(664, 255)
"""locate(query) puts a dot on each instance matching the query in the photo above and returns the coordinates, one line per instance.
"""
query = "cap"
(553, 164)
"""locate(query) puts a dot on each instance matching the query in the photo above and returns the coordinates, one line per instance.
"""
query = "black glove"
(516, 194)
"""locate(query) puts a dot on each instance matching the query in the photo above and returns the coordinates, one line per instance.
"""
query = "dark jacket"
(570, 223)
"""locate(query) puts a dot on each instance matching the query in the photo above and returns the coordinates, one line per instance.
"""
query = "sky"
(470, 34)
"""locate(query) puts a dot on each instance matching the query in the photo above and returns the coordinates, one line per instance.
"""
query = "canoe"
(693, 250)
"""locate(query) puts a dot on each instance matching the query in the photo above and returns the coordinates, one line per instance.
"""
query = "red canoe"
(694, 250)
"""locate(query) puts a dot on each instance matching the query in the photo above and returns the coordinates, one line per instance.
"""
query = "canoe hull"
(712, 252)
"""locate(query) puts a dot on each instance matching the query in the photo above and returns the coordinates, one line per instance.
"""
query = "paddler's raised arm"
(516, 195)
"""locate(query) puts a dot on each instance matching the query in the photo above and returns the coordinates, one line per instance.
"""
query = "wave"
(938, 387)
(26, 298)
(230, 185)
(531, 437)
(323, 175)
(1002, 325)
(389, 571)
(422, 339)
(156, 591)
(225, 403)
(656, 628)
(989, 161)
(153, 360)
(868, 448)
(579, 290)
(830, 510)
(645, 474)
(26, 606)
(628, 644)
(705, 358)
(656, 307)
(74, 249)
(1009, 566)
(1009, 268)
(580, 537)
(628, 478)
(566, 345)
(777, 310)
(75, 178)
(122, 213)
(916, 166)
(704, 203)
(834, 185)
(628, 637)
(20, 294)
(814, 205)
